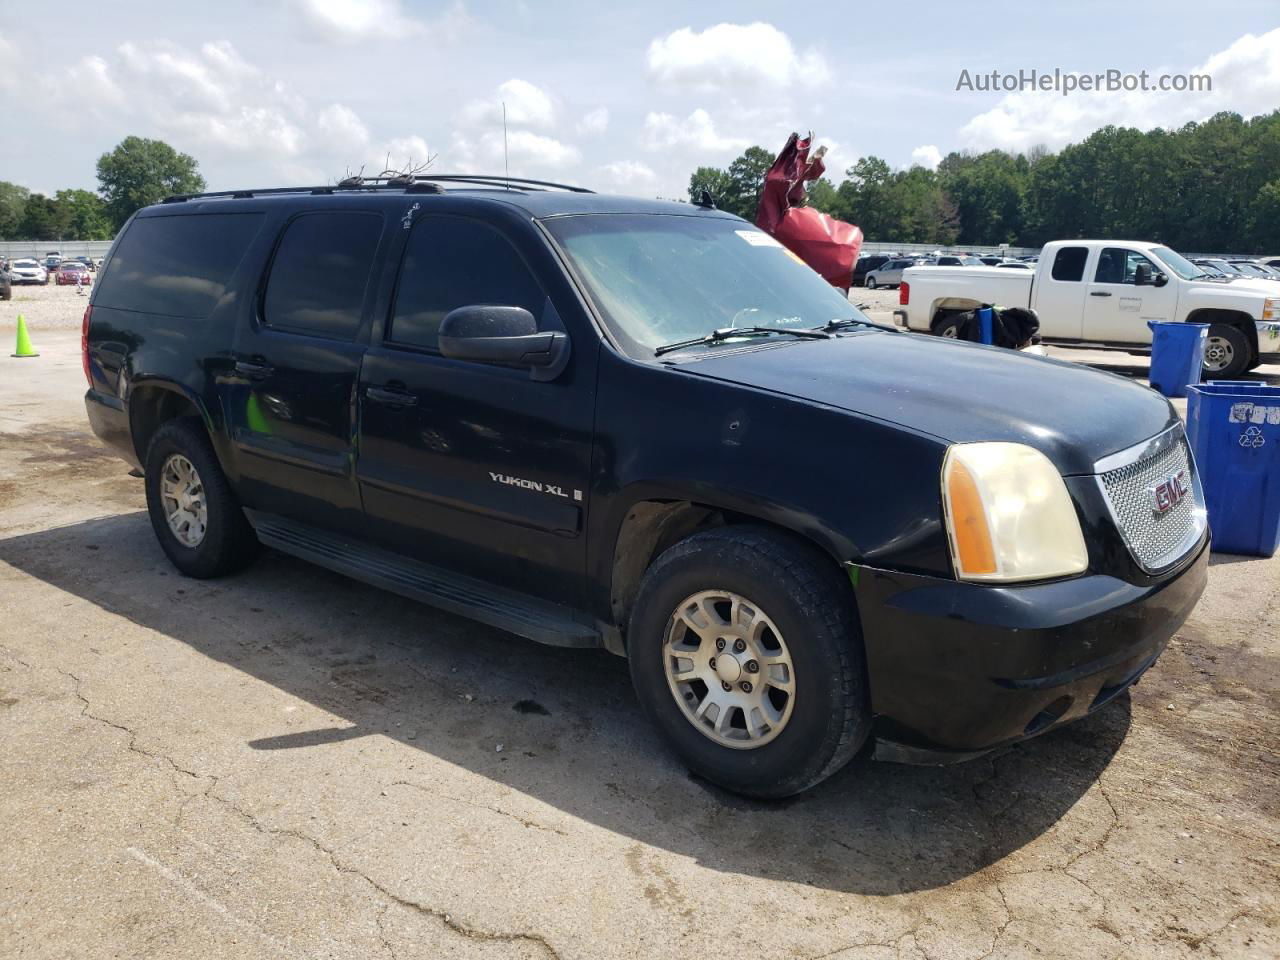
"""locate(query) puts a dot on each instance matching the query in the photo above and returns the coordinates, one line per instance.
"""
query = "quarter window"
(450, 262)
(1068, 265)
(320, 274)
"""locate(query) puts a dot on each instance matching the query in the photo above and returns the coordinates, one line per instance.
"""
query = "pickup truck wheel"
(745, 653)
(869, 283)
(1226, 352)
(948, 328)
(195, 516)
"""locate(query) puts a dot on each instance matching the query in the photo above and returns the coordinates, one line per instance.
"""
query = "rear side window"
(450, 262)
(178, 266)
(1068, 265)
(320, 273)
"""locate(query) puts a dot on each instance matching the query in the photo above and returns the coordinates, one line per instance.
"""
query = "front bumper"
(957, 669)
(1268, 340)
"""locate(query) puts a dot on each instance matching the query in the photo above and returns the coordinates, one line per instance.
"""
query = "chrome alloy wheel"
(182, 496)
(1218, 354)
(729, 669)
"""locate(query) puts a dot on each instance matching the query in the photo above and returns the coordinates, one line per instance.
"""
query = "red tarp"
(829, 246)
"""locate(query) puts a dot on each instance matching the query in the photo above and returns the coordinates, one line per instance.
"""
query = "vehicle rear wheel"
(948, 327)
(194, 514)
(869, 283)
(1226, 352)
(745, 653)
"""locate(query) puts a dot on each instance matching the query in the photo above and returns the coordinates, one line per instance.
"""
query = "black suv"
(605, 422)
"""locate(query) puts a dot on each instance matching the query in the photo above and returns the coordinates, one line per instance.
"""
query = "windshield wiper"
(833, 325)
(724, 333)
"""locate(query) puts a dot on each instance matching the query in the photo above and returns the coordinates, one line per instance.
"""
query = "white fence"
(39, 249)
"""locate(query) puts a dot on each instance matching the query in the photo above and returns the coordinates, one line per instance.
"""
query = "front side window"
(657, 279)
(320, 274)
(1117, 265)
(452, 262)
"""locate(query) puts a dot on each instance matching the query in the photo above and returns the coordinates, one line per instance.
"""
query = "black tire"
(1241, 352)
(6, 293)
(806, 596)
(869, 283)
(229, 543)
(948, 326)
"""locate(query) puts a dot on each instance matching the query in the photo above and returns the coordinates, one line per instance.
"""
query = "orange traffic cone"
(23, 347)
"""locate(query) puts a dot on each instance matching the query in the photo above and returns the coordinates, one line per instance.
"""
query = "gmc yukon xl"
(644, 426)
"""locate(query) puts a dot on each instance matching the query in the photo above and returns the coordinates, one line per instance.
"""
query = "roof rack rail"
(392, 182)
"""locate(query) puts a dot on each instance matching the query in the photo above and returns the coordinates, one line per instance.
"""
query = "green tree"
(139, 172)
(13, 204)
(713, 180)
(84, 215)
(736, 189)
(42, 219)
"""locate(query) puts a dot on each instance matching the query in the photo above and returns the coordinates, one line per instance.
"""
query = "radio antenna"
(506, 160)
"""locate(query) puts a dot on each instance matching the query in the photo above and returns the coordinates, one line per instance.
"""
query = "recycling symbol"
(1252, 438)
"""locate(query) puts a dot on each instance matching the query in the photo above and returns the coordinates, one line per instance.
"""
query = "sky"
(620, 97)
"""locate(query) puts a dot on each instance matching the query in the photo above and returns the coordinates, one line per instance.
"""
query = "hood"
(960, 392)
(1245, 288)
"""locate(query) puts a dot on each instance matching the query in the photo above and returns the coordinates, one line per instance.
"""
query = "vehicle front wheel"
(1226, 352)
(869, 283)
(746, 655)
(194, 514)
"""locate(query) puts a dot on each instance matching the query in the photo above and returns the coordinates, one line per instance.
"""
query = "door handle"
(393, 398)
(254, 371)
(1099, 293)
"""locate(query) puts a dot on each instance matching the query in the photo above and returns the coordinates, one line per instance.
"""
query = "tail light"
(904, 294)
(84, 344)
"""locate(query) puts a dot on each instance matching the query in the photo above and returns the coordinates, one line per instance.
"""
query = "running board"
(508, 610)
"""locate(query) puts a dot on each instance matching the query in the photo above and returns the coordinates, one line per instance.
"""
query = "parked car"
(865, 265)
(476, 411)
(72, 272)
(1211, 272)
(957, 261)
(1226, 267)
(52, 263)
(888, 274)
(87, 261)
(1100, 294)
(1016, 265)
(1269, 261)
(1249, 268)
(28, 271)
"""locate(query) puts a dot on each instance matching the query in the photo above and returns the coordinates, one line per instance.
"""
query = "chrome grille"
(1156, 539)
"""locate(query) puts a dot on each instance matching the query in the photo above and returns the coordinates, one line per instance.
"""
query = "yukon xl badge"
(1164, 495)
(535, 485)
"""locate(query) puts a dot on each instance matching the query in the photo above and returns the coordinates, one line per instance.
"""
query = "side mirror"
(507, 336)
(1160, 280)
(1142, 275)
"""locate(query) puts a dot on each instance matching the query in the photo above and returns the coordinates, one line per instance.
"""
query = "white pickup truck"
(1100, 294)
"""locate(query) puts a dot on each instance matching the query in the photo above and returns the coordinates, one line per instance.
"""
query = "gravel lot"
(287, 763)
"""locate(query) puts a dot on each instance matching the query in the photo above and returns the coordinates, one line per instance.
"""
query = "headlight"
(1009, 516)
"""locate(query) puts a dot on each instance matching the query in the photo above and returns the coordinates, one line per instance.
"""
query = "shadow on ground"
(572, 733)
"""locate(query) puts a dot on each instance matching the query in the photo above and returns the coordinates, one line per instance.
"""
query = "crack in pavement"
(524, 822)
(444, 917)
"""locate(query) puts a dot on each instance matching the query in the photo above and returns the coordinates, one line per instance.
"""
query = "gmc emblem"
(1168, 492)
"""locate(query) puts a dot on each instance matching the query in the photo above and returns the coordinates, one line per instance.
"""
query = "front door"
(475, 467)
(1117, 309)
(291, 399)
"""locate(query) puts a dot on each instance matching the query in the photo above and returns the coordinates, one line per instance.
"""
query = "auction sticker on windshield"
(757, 239)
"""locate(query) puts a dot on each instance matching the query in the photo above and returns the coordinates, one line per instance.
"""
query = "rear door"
(1117, 310)
(290, 401)
(470, 466)
(1059, 293)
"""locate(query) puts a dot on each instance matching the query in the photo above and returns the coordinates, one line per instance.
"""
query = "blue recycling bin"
(1177, 355)
(1234, 430)
(985, 323)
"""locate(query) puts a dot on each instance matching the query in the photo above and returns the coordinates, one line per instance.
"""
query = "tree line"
(1208, 186)
(136, 173)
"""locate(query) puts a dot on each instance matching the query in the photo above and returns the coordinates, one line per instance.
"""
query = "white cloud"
(928, 156)
(697, 131)
(11, 73)
(627, 175)
(345, 21)
(527, 106)
(342, 127)
(528, 152)
(730, 55)
(1246, 79)
(594, 121)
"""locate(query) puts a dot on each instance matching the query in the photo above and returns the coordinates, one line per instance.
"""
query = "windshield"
(658, 279)
(1176, 262)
